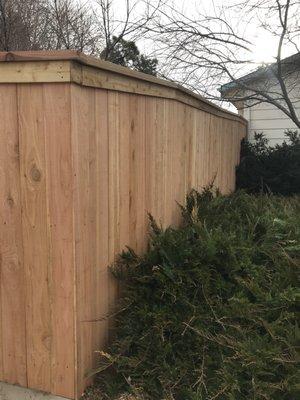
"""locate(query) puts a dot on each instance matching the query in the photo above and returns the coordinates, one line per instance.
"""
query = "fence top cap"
(82, 59)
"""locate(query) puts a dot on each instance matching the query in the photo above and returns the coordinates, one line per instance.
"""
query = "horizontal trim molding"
(75, 67)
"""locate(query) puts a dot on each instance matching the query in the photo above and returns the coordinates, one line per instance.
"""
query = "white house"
(261, 115)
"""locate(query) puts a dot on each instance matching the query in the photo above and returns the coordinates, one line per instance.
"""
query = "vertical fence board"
(150, 155)
(191, 133)
(35, 235)
(13, 345)
(160, 161)
(113, 104)
(114, 171)
(137, 214)
(83, 131)
(124, 165)
(102, 204)
(60, 197)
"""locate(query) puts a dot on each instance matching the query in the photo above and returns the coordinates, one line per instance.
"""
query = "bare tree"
(278, 83)
(95, 27)
(23, 24)
(71, 26)
(114, 29)
(46, 25)
(191, 45)
(204, 51)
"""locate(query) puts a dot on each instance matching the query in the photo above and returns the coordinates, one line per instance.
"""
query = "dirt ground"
(96, 393)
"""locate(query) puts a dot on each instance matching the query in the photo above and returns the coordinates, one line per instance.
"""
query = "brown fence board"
(12, 336)
(35, 234)
(59, 176)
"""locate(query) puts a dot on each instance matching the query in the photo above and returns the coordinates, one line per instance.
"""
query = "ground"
(96, 393)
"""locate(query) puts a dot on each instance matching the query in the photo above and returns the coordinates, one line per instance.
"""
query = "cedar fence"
(87, 148)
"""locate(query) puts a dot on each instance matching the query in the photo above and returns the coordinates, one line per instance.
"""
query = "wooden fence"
(86, 149)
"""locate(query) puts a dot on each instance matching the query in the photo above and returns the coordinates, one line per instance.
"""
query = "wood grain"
(80, 168)
(12, 337)
(29, 72)
(59, 176)
(73, 66)
(83, 129)
(35, 235)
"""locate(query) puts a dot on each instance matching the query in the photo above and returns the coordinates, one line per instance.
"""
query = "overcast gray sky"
(263, 49)
(264, 45)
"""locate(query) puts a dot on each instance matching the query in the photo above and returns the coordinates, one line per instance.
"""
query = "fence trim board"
(73, 66)
(35, 72)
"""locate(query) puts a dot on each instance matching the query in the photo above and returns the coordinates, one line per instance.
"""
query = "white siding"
(267, 118)
(272, 122)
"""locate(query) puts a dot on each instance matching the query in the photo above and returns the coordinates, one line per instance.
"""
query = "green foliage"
(270, 169)
(127, 54)
(209, 312)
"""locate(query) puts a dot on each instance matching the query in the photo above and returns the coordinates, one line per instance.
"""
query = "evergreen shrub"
(274, 169)
(209, 312)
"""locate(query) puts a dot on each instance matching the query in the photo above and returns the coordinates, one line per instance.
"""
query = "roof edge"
(261, 72)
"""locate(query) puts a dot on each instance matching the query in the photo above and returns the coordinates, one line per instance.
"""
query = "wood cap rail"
(75, 67)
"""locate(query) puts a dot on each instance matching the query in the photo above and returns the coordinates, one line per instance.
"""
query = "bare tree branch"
(205, 51)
